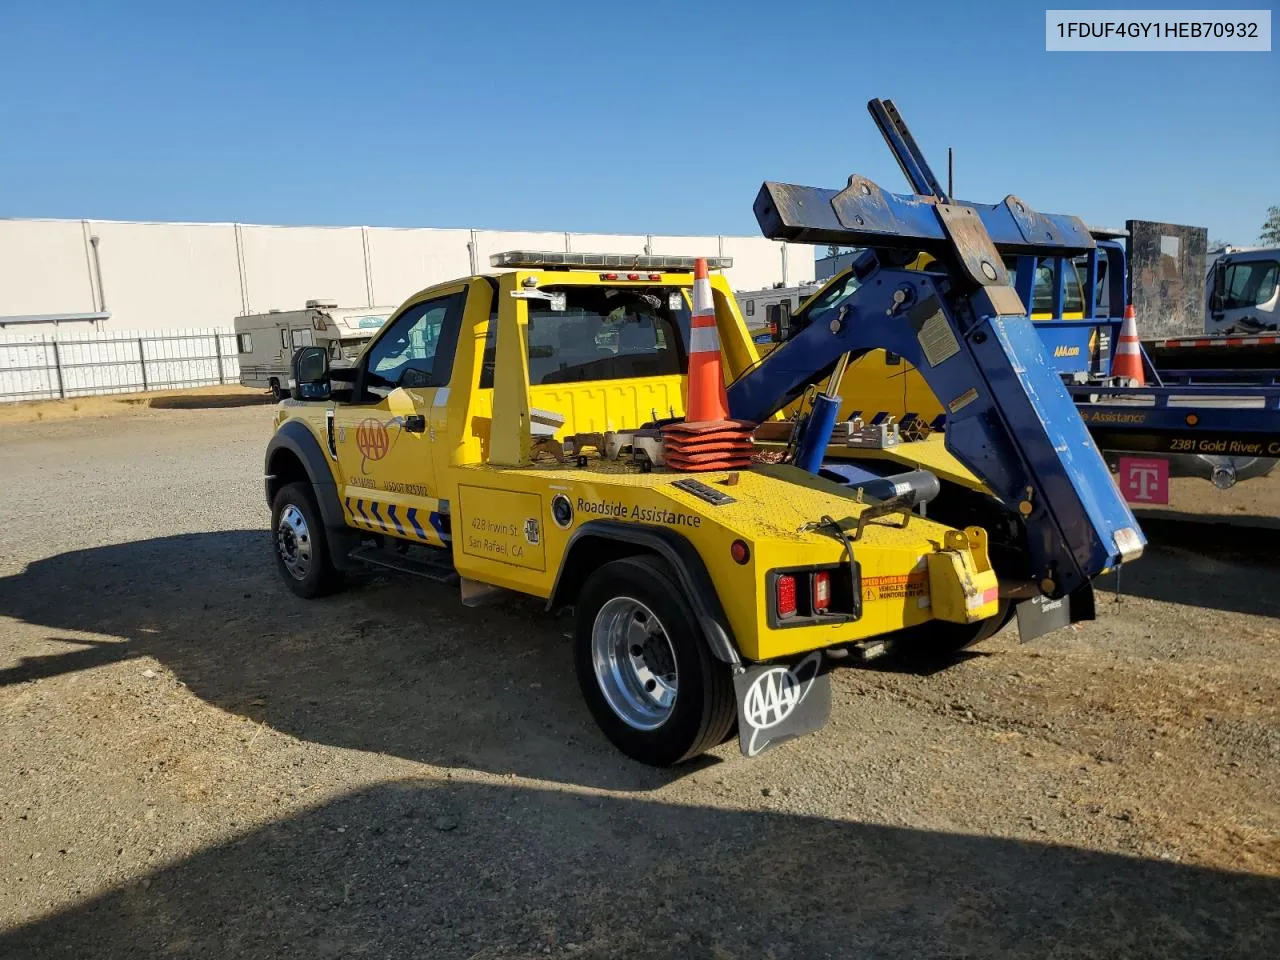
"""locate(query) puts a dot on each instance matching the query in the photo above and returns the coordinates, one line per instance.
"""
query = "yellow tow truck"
(443, 453)
(531, 430)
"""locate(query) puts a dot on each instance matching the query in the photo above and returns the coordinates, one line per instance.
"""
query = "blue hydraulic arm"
(1009, 418)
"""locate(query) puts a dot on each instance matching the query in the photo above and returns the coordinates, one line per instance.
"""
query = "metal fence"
(49, 368)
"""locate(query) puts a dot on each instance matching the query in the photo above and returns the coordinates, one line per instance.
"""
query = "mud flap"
(1040, 615)
(779, 701)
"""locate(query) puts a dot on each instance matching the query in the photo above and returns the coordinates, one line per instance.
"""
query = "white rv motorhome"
(266, 341)
(760, 308)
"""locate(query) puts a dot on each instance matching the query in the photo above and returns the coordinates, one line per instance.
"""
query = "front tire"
(300, 544)
(648, 677)
(277, 392)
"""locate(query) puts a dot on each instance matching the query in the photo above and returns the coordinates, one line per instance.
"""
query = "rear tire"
(277, 394)
(300, 543)
(646, 672)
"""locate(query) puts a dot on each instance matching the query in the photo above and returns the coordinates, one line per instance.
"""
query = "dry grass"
(195, 398)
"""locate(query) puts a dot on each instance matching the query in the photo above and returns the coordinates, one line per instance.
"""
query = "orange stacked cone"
(707, 439)
(1127, 361)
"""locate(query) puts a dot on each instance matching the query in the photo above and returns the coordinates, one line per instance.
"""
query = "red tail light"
(786, 591)
(633, 276)
(608, 276)
(821, 591)
(655, 276)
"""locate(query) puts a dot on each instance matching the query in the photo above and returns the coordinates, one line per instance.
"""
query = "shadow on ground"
(204, 401)
(1207, 561)
(463, 870)
(393, 665)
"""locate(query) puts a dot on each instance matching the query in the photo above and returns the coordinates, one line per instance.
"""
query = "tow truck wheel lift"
(1010, 419)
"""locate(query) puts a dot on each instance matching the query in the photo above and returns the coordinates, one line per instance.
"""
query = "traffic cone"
(1127, 361)
(707, 439)
(708, 400)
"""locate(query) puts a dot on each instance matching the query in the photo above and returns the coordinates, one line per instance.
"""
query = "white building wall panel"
(174, 277)
(686, 246)
(402, 262)
(496, 241)
(801, 263)
(168, 276)
(285, 267)
(44, 268)
(752, 259)
(607, 242)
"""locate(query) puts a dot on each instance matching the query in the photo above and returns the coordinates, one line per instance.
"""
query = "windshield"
(604, 333)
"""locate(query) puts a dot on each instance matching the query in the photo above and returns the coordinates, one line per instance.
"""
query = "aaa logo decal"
(372, 440)
(774, 696)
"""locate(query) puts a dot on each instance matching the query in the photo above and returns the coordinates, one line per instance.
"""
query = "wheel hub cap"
(635, 664)
(293, 541)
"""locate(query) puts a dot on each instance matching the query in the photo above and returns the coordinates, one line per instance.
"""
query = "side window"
(284, 338)
(489, 360)
(1267, 286)
(302, 338)
(1073, 292)
(1042, 289)
(1250, 284)
(751, 308)
(417, 349)
(244, 342)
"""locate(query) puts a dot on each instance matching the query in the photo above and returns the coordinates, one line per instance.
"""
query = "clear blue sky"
(658, 117)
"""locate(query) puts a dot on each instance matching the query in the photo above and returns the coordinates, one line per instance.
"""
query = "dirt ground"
(197, 764)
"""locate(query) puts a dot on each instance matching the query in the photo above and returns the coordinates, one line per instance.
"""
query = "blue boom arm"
(1009, 418)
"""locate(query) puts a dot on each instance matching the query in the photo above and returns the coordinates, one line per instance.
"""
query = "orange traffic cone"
(707, 439)
(1127, 360)
(707, 397)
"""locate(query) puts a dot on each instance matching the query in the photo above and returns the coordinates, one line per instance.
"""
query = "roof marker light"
(623, 261)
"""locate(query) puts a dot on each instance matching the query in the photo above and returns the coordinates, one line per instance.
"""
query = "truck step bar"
(420, 564)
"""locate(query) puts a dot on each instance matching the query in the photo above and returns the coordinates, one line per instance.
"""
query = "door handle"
(415, 423)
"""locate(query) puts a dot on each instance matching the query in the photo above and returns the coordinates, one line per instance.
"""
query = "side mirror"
(311, 373)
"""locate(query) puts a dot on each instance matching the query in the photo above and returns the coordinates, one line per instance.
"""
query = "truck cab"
(492, 434)
(1243, 292)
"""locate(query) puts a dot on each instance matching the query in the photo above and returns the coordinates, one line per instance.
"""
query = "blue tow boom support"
(1010, 420)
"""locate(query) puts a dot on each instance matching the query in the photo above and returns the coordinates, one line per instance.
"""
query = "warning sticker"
(914, 584)
(937, 339)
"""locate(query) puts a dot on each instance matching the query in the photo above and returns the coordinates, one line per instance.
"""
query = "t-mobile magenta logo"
(1144, 480)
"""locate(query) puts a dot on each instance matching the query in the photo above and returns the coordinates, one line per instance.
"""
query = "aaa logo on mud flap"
(372, 441)
(774, 695)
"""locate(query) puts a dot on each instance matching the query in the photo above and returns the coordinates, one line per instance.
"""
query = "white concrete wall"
(287, 266)
(169, 276)
(44, 267)
(185, 276)
(401, 262)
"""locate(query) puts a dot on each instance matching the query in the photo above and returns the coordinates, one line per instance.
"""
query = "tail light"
(821, 591)
(786, 589)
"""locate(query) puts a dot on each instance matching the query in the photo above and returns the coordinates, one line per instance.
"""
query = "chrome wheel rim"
(293, 542)
(635, 664)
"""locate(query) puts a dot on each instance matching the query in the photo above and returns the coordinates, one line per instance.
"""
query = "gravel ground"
(200, 765)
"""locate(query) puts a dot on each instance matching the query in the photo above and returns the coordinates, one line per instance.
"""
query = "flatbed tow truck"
(516, 431)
